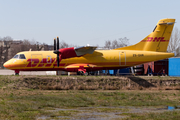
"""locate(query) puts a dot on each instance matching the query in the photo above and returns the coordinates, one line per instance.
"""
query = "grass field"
(26, 103)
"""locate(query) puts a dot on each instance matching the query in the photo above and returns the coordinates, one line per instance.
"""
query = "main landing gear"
(82, 73)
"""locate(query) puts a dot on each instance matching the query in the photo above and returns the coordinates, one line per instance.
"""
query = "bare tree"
(64, 45)
(174, 43)
(7, 38)
(1, 56)
(5, 48)
(114, 44)
(25, 45)
(121, 42)
(47, 47)
(108, 44)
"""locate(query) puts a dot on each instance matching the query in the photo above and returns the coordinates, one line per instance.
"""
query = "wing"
(84, 50)
(76, 52)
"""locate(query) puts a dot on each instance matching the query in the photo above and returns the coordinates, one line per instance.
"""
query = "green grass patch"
(168, 115)
(26, 101)
(30, 104)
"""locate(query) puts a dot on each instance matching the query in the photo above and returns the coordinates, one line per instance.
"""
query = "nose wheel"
(16, 72)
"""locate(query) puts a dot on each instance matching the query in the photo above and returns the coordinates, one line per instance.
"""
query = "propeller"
(56, 50)
(63, 53)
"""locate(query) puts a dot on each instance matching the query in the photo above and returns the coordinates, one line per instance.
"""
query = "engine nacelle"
(67, 53)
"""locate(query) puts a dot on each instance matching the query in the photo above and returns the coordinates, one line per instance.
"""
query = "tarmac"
(11, 72)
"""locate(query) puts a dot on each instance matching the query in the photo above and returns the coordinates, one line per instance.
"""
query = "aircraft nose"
(6, 65)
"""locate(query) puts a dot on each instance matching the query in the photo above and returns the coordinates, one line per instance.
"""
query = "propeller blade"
(58, 59)
(57, 43)
(56, 50)
(54, 44)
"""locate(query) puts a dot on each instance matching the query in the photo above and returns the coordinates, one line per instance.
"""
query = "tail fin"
(158, 40)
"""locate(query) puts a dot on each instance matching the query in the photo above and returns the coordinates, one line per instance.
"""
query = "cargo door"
(122, 58)
(36, 60)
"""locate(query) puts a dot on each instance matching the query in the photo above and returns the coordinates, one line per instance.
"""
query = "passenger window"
(16, 56)
(22, 56)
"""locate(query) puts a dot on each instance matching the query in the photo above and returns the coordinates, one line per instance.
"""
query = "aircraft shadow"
(142, 82)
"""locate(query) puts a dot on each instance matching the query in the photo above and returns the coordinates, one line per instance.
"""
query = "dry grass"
(88, 83)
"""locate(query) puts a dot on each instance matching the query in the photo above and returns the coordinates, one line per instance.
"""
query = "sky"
(82, 22)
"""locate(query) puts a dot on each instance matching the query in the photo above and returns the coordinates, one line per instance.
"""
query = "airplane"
(86, 58)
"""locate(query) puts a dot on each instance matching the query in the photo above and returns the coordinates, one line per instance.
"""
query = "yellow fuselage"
(100, 59)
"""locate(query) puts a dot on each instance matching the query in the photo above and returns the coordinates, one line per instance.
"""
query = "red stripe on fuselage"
(94, 68)
(43, 63)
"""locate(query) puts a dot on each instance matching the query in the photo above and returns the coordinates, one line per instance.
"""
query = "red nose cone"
(5, 65)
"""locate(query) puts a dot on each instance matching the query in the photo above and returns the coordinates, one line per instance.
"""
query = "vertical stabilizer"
(158, 40)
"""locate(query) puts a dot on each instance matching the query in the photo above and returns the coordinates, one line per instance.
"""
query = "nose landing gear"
(16, 72)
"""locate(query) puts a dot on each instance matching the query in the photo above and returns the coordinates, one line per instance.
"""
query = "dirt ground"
(11, 72)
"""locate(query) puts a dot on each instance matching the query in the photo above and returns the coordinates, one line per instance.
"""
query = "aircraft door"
(48, 59)
(122, 58)
(36, 59)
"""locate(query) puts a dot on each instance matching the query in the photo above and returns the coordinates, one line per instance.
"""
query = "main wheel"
(16, 73)
(86, 73)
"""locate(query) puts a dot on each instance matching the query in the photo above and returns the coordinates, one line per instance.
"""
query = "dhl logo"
(43, 63)
(156, 39)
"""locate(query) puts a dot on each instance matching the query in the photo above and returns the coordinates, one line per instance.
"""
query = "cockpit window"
(22, 56)
(16, 56)
(19, 56)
